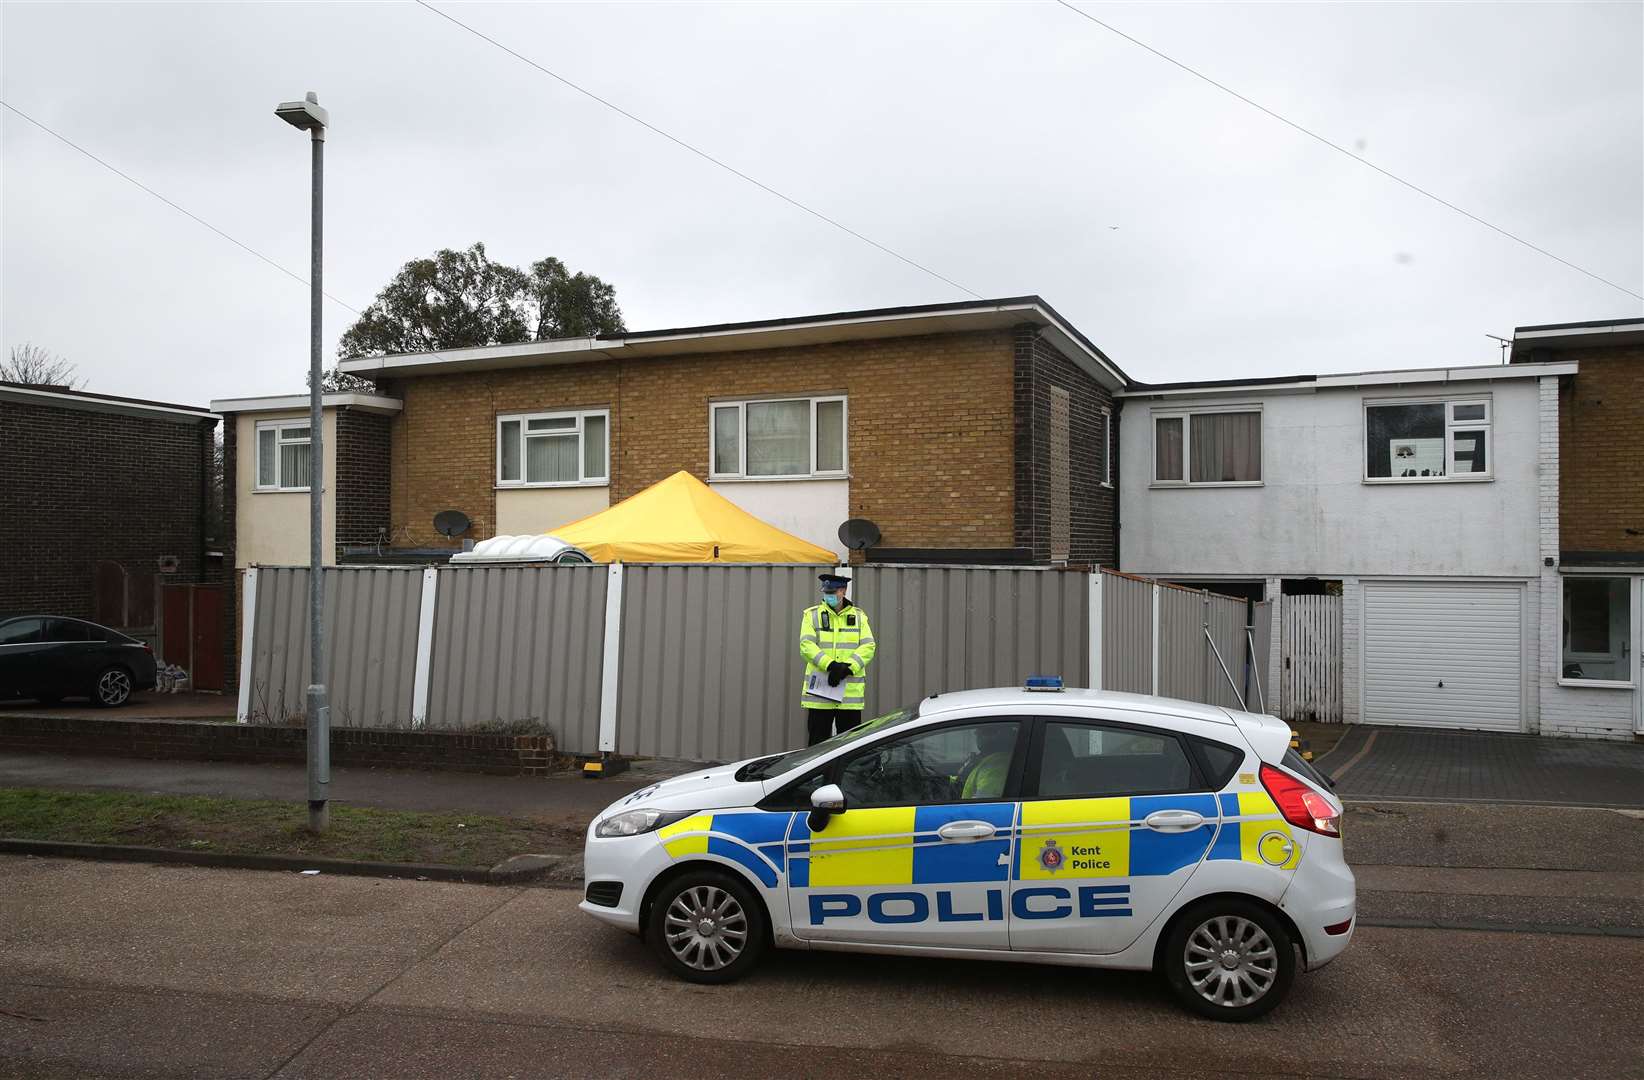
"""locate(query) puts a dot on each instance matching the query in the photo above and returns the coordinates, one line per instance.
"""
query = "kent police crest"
(1051, 856)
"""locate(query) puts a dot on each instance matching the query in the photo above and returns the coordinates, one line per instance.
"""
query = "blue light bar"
(1044, 683)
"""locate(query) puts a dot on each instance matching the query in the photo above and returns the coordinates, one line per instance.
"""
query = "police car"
(1065, 827)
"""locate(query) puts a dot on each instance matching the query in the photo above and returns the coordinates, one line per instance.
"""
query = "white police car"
(1072, 827)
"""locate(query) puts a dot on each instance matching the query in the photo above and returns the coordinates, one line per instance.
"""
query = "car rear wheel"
(1229, 960)
(707, 927)
(112, 688)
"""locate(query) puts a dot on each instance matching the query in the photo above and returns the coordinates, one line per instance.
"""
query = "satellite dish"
(858, 534)
(452, 523)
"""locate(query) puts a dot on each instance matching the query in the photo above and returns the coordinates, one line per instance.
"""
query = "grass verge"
(243, 826)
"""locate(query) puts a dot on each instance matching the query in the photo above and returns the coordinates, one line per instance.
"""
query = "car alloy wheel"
(1231, 961)
(113, 687)
(706, 928)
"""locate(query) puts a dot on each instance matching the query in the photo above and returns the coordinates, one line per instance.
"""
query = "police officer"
(836, 642)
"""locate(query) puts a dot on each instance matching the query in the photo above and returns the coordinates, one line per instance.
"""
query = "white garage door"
(1443, 655)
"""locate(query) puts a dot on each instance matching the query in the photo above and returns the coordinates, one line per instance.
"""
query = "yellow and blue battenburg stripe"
(752, 839)
(1254, 831)
(1054, 839)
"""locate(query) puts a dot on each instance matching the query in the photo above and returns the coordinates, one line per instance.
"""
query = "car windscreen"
(785, 763)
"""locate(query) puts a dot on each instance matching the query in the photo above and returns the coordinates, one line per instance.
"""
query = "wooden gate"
(191, 632)
(1310, 644)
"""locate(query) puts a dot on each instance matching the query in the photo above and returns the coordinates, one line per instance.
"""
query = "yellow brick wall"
(930, 429)
(1601, 451)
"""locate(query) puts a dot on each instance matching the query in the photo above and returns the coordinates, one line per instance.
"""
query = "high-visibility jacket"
(826, 635)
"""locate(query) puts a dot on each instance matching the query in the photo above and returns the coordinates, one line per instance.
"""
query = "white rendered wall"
(528, 511)
(271, 527)
(1313, 513)
(809, 509)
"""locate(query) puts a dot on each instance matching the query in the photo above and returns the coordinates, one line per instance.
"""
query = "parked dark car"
(49, 658)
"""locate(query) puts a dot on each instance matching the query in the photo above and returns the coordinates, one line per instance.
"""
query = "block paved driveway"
(1470, 766)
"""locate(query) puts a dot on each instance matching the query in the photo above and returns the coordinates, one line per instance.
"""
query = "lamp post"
(308, 116)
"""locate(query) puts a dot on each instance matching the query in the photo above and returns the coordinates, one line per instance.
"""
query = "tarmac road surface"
(129, 970)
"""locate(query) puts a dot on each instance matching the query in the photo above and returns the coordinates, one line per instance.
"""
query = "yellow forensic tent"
(681, 519)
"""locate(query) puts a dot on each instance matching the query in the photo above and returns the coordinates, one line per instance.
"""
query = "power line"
(703, 154)
(66, 141)
(1343, 150)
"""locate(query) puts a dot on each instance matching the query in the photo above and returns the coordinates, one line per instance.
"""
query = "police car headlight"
(634, 822)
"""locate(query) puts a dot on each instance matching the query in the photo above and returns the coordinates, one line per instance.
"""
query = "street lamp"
(308, 116)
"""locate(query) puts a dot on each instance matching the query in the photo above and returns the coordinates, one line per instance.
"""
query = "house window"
(1207, 446)
(283, 455)
(553, 449)
(1597, 630)
(1427, 440)
(780, 439)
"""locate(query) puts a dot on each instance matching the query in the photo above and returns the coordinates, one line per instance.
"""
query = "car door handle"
(1173, 820)
(965, 830)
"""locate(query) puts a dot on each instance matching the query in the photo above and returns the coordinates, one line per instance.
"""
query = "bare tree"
(32, 365)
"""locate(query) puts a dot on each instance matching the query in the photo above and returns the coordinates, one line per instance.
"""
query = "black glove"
(838, 671)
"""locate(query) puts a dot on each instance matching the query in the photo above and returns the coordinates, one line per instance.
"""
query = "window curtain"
(779, 438)
(1226, 447)
(550, 459)
(1167, 449)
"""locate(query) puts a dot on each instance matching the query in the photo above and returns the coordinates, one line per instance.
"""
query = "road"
(127, 970)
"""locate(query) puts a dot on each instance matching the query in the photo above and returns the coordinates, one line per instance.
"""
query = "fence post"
(248, 628)
(608, 681)
(1156, 629)
(1095, 619)
(425, 647)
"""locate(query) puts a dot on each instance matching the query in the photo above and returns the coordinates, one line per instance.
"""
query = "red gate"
(191, 632)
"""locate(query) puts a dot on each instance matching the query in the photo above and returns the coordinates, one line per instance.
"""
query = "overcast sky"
(1013, 148)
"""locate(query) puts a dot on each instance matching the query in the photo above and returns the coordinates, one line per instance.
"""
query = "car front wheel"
(1229, 960)
(112, 688)
(707, 927)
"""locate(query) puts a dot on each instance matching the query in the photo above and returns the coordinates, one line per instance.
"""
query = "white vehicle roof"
(1074, 698)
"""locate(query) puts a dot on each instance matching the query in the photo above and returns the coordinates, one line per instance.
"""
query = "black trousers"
(821, 723)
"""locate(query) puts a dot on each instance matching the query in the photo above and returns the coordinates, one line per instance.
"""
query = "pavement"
(123, 971)
(144, 706)
(1386, 763)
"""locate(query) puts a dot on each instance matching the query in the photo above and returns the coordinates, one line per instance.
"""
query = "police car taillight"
(1300, 804)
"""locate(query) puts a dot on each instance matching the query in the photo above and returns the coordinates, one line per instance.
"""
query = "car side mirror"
(826, 801)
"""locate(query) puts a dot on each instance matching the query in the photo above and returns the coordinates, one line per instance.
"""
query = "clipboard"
(816, 686)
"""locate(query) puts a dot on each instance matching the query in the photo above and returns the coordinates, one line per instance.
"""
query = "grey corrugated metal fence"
(710, 666)
(1127, 633)
(960, 628)
(702, 661)
(1200, 645)
(371, 644)
(519, 645)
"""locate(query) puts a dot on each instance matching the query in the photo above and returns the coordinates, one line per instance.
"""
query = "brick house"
(104, 505)
(1592, 543)
(978, 432)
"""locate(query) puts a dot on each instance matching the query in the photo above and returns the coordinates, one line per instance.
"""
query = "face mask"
(831, 599)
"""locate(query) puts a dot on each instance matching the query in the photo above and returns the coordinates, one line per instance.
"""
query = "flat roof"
(859, 325)
(1531, 340)
(1305, 384)
(373, 403)
(64, 398)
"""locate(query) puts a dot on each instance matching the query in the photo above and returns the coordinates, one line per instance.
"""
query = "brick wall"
(930, 430)
(1093, 534)
(363, 478)
(83, 486)
(184, 740)
(1601, 436)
